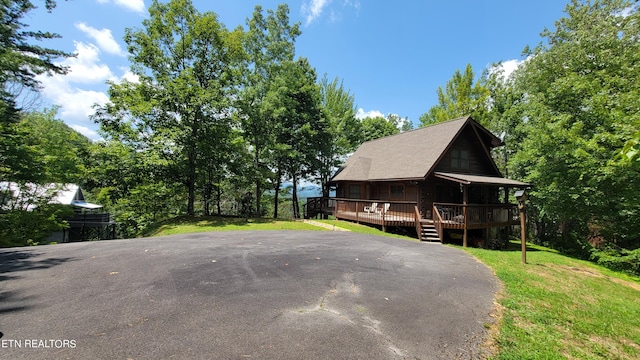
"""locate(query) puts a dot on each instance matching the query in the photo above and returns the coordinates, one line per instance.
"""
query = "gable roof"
(26, 196)
(408, 155)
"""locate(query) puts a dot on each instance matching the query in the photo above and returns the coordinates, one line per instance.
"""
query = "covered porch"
(441, 217)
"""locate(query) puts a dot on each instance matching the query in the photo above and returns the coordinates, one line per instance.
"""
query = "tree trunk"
(218, 201)
(276, 197)
(258, 189)
(296, 207)
(208, 190)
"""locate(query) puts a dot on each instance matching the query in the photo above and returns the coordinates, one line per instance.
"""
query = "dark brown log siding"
(479, 162)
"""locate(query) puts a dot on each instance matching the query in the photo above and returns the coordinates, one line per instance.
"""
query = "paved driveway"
(243, 295)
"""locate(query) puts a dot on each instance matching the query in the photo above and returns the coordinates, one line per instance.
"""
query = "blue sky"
(392, 56)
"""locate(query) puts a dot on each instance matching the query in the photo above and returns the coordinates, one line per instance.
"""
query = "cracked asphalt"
(244, 295)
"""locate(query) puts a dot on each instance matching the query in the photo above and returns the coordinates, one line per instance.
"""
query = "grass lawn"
(184, 225)
(557, 307)
(363, 229)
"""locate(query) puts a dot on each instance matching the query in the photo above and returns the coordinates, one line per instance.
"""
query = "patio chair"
(384, 209)
(371, 209)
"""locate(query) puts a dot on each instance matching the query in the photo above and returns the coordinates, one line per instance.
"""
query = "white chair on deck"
(371, 209)
(384, 209)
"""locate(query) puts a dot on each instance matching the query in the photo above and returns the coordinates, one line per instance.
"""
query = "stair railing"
(418, 218)
(437, 221)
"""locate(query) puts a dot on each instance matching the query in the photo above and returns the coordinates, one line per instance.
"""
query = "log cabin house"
(87, 221)
(440, 180)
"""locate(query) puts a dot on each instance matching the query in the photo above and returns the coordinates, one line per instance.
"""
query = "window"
(460, 159)
(396, 191)
(354, 191)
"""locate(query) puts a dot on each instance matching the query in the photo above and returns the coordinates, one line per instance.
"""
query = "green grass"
(364, 229)
(185, 225)
(556, 307)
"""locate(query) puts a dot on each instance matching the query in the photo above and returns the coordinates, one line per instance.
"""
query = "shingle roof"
(408, 155)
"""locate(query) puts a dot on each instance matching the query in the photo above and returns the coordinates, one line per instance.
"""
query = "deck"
(405, 214)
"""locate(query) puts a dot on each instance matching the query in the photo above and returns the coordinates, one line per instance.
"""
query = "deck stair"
(429, 232)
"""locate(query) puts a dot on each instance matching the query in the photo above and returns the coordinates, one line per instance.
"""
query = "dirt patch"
(326, 226)
(489, 347)
(595, 273)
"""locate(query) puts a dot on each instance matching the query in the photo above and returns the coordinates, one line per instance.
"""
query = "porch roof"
(479, 179)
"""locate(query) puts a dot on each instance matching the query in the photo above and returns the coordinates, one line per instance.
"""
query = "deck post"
(464, 214)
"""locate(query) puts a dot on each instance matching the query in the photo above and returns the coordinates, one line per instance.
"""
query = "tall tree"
(269, 42)
(300, 127)
(183, 60)
(460, 97)
(344, 130)
(20, 62)
(579, 105)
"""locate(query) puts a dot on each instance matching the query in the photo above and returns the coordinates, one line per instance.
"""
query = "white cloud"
(506, 68)
(510, 66)
(75, 104)
(313, 9)
(103, 37)
(129, 76)
(86, 131)
(361, 114)
(84, 69)
(133, 5)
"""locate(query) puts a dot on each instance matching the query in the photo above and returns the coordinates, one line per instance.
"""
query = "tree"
(181, 105)
(294, 103)
(579, 107)
(20, 62)
(57, 155)
(377, 127)
(58, 152)
(269, 42)
(344, 130)
(460, 97)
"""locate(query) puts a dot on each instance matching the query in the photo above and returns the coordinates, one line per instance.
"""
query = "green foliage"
(57, 152)
(618, 259)
(377, 127)
(178, 114)
(49, 152)
(268, 44)
(343, 129)
(579, 107)
(460, 97)
(294, 104)
(20, 61)
(28, 219)
(24, 228)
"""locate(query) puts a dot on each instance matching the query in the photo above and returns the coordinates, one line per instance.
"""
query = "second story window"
(460, 159)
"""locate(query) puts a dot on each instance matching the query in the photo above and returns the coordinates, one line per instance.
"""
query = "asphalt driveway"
(244, 295)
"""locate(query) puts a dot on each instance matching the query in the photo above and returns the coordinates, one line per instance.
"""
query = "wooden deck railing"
(452, 216)
(378, 212)
(319, 205)
(406, 213)
(90, 219)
